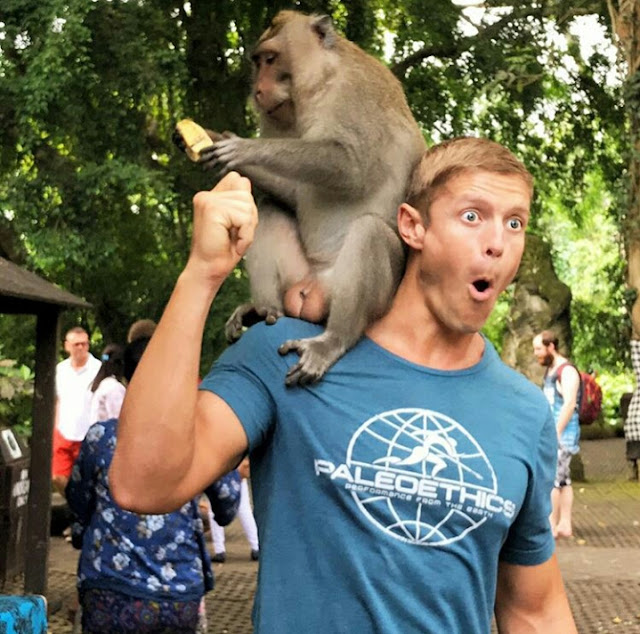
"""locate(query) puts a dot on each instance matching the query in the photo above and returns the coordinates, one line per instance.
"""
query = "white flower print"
(143, 530)
(180, 587)
(95, 433)
(120, 561)
(107, 515)
(161, 554)
(180, 537)
(126, 544)
(155, 522)
(167, 572)
(153, 583)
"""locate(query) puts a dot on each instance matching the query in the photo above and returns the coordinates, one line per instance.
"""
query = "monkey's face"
(272, 83)
(472, 246)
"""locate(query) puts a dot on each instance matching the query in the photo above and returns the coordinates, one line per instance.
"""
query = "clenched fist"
(224, 223)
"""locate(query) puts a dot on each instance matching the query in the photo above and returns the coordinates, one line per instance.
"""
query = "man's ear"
(411, 226)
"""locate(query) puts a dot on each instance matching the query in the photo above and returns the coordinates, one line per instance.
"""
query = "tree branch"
(464, 44)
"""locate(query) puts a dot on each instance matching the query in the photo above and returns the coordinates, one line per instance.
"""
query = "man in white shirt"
(73, 400)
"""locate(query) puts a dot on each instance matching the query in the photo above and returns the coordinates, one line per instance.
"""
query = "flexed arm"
(170, 447)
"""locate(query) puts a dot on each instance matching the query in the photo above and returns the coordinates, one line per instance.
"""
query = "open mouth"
(275, 108)
(481, 289)
(481, 285)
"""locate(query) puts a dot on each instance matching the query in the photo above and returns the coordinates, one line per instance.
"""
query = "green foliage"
(587, 257)
(614, 385)
(496, 326)
(94, 197)
(16, 396)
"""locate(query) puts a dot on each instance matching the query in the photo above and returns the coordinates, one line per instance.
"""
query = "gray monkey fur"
(343, 166)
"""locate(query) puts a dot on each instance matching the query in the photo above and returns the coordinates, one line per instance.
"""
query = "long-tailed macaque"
(337, 144)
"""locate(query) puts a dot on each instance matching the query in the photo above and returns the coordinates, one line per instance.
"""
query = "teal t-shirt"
(386, 494)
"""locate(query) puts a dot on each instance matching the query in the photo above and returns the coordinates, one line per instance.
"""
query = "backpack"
(590, 397)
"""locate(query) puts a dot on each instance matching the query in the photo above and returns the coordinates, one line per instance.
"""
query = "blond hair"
(442, 162)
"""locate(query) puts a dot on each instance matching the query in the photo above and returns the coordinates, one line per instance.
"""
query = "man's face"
(76, 345)
(541, 352)
(472, 246)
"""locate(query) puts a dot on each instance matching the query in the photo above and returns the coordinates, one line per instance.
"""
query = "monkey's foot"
(247, 315)
(317, 355)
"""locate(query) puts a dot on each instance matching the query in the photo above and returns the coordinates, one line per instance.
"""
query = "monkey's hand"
(195, 141)
(317, 355)
(245, 316)
(224, 223)
(229, 153)
(208, 157)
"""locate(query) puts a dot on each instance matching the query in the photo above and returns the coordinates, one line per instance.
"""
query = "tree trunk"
(541, 301)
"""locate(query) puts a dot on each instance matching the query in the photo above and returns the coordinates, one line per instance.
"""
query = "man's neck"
(424, 341)
(558, 360)
(77, 365)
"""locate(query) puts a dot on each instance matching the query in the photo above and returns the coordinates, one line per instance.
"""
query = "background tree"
(93, 195)
(625, 24)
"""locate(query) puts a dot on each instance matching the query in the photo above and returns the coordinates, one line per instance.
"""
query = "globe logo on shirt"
(421, 477)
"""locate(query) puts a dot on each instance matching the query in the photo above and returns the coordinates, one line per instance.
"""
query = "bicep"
(532, 599)
(221, 444)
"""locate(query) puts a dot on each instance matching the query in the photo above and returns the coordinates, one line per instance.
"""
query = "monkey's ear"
(411, 226)
(322, 25)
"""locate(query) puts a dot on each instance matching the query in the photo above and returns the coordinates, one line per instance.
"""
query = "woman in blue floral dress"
(138, 573)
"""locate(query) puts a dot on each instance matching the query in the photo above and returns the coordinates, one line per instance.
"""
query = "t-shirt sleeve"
(113, 400)
(530, 541)
(244, 377)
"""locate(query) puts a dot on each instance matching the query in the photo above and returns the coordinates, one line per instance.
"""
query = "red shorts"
(65, 453)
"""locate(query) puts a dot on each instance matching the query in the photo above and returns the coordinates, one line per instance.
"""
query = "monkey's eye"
(269, 58)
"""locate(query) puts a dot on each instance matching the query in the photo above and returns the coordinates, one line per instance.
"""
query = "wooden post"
(39, 505)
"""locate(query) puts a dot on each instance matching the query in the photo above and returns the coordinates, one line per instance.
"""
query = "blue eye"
(470, 215)
(515, 223)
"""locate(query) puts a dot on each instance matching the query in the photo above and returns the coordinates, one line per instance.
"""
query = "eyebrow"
(473, 201)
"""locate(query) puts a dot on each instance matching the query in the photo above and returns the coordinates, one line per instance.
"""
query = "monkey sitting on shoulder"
(337, 144)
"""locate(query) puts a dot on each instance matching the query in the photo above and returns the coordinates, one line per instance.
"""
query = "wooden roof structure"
(24, 292)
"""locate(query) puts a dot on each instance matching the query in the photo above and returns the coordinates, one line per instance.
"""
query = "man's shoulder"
(63, 369)
(285, 328)
(93, 363)
(564, 366)
(523, 387)
(258, 347)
